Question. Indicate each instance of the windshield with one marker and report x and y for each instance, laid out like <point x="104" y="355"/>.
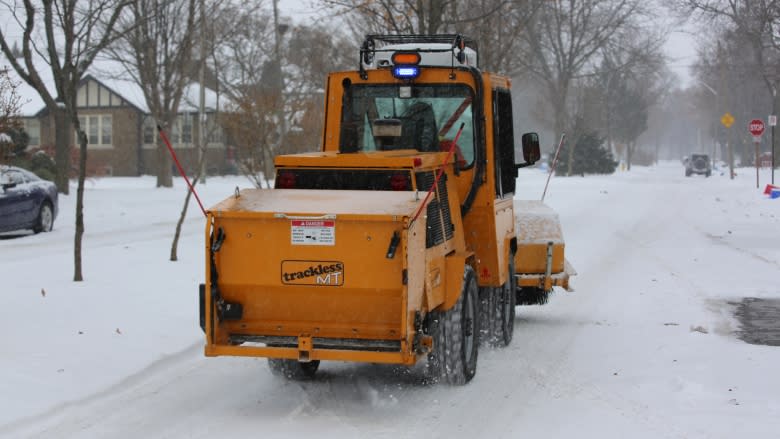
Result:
<point x="426" y="118"/>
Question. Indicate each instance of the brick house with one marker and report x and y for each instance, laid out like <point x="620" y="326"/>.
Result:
<point x="121" y="133"/>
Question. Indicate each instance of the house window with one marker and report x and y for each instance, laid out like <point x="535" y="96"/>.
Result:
<point x="179" y="133"/>
<point x="92" y="130"/>
<point x="98" y="129"/>
<point x="213" y="130"/>
<point x="186" y="128"/>
<point x="105" y="130"/>
<point x="33" y="129"/>
<point x="149" y="134"/>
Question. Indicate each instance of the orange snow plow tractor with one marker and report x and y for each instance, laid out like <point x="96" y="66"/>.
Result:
<point x="399" y="241"/>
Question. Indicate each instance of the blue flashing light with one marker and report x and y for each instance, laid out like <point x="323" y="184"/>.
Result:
<point x="406" y="72"/>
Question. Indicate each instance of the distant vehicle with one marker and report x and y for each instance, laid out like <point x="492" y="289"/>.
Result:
<point x="698" y="164"/>
<point x="26" y="201"/>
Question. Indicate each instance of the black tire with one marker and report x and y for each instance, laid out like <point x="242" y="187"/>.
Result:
<point x="497" y="311"/>
<point x="455" y="333"/>
<point x="506" y="307"/>
<point x="293" y="369"/>
<point x="45" y="220"/>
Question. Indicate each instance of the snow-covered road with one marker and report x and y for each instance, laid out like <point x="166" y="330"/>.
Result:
<point x="644" y="347"/>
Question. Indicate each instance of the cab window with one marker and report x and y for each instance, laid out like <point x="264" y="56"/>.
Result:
<point x="421" y="117"/>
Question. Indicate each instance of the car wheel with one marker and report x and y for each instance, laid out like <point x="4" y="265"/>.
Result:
<point x="45" y="220"/>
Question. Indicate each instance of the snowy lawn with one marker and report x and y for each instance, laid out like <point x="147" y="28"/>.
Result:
<point x="65" y="339"/>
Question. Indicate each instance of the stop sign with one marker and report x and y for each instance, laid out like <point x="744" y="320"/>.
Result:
<point x="756" y="127"/>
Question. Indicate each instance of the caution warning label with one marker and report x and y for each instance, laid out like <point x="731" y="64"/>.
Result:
<point x="313" y="232"/>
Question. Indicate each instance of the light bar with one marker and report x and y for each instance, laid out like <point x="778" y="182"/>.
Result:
<point x="406" y="58"/>
<point x="406" y="72"/>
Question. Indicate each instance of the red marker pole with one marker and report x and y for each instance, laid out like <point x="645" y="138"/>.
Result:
<point x="178" y="166"/>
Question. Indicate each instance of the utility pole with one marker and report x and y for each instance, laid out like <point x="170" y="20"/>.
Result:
<point x="202" y="106"/>
<point x="773" y="122"/>
<point x="724" y="100"/>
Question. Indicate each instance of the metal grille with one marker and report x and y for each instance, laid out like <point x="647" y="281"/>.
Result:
<point x="444" y="196"/>
<point x="424" y="180"/>
<point x="439" y="225"/>
<point x="434" y="235"/>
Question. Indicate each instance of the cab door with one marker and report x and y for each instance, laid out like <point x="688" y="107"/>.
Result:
<point x="504" y="147"/>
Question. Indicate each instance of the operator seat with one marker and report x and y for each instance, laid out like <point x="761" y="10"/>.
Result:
<point x="418" y="129"/>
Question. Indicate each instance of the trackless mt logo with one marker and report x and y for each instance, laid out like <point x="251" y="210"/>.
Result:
<point x="323" y="273"/>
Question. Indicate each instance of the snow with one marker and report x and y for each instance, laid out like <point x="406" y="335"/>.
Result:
<point x="644" y="347"/>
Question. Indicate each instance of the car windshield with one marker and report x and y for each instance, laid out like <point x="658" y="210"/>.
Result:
<point x="422" y="117"/>
<point x="16" y="175"/>
<point x="12" y="176"/>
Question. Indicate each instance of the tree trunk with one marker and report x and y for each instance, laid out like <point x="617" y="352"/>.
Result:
<point x="164" y="173"/>
<point x="77" y="276"/>
<point x="175" y="243"/>
<point x="62" y="142"/>
<point x="182" y="216"/>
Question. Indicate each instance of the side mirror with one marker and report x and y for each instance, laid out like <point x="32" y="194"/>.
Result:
<point x="8" y="185"/>
<point x="531" y="152"/>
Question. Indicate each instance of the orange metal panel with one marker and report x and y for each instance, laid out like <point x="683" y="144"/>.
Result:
<point x="396" y="159"/>
<point x="372" y="205"/>
<point x="536" y="225"/>
<point x="314" y="354"/>
<point x="532" y="258"/>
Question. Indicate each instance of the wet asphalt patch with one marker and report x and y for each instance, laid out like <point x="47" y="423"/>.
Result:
<point x="759" y="320"/>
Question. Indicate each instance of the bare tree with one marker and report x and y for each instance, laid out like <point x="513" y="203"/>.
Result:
<point x="499" y="32"/>
<point x="249" y="72"/>
<point x="422" y="16"/>
<point x="631" y="78"/>
<point x="753" y="25"/>
<point x="157" y="52"/>
<point x="207" y="36"/>
<point x="273" y="77"/>
<point x="565" y="42"/>
<point x="73" y="34"/>
<point x="395" y="16"/>
<point x="71" y="37"/>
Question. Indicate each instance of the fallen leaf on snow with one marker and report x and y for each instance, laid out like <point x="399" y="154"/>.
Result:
<point x="701" y="329"/>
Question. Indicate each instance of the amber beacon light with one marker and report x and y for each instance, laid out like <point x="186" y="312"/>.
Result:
<point x="406" y="65"/>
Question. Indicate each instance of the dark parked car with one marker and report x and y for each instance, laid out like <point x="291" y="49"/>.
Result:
<point x="26" y="201"/>
<point x="698" y="164"/>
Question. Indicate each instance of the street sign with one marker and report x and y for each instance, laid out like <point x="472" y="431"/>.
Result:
<point x="727" y="120"/>
<point x="756" y="127"/>
<point x="772" y="120"/>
